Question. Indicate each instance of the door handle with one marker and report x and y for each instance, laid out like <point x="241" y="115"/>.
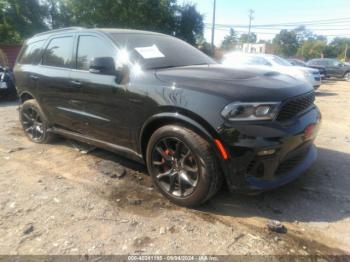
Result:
<point x="76" y="83"/>
<point x="34" y="77"/>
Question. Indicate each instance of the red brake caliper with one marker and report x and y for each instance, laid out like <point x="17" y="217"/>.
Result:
<point x="168" y="152"/>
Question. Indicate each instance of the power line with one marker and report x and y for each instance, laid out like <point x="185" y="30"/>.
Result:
<point x="308" y="28"/>
<point x="315" y="22"/>
<point x="272" y="33"/>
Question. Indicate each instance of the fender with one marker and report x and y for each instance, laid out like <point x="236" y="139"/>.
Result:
<point x="175" y="116"/>
<point x="172" y="117"/>
<point x="23" y="93"/>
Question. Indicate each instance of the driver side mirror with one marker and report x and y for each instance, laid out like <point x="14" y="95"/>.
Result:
<point x="103" y="66"/>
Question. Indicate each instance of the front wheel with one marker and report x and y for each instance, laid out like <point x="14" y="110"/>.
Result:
<point x="183" y="166"/>
<point x="34" y="122"/>
<point x="347" y="76"/>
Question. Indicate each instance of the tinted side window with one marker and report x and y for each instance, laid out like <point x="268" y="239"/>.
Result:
<point x="32" y="53"/>
<point x="90" y="47"/>
<point x="59" y="52"/>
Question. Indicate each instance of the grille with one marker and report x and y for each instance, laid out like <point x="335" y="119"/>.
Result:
<point x="295" y="106"/>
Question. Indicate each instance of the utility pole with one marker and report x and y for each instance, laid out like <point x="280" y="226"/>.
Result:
<point x="251" y="12"/>
<point x="346" y="52"/>
<point x="213" y="27"/>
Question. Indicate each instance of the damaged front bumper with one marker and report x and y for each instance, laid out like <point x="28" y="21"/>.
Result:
<point x="267" y="155"/>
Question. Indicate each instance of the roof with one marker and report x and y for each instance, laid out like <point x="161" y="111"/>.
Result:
<point x="124" y="31"/>
<point x="103" y="30"/>
<point x="67" y="29"/>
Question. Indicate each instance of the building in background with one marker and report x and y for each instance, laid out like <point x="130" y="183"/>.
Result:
<point x="9" y="54"/>
<point x="264" y="48"/>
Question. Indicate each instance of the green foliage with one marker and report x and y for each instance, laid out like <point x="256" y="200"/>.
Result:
<point x="230" y="41"/>
<point x="248" y="39"/>
<point x="338" y="46"/>
<point x="189" y="24"/>
<point x="156" y="15"/>
<point x="312" y="49"/>
<point x="20" y="19"/>
<point x="304" y="34"/>
<point x="286" y="43"/>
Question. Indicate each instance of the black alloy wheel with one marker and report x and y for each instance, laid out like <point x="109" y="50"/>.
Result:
<point x="183" y="165"/>
<point x="177" y="171"/>
<point x="34" y="122"/>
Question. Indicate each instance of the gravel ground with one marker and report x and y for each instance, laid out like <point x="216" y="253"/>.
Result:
<point x="63" y="199"/>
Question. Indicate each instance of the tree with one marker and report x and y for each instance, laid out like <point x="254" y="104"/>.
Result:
<point x="286" y="43"/>
<point x="22" y="18"/>
<point x="312" y="49"/>
<point x="304" y="34"/>
<point x="189" y="24"/>
<point x="230" y="40"/>
<point x="246" y="39"/>
<point x="337" y="47"/>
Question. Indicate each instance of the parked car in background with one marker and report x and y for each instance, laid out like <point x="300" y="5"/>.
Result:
<point x="298" y="62"/>
<point x="333" y="67"/>
<point x="7" y="86"/>
<point x="160" y="101"/>
<point x="276" y="63"/>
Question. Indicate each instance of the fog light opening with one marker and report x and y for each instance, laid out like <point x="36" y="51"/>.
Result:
<point x="267" y="152"/>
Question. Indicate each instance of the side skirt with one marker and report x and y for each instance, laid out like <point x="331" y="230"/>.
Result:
<point x="123" y="151"/>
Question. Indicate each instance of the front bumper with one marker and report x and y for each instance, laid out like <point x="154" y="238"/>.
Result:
<point x="290" y="147"/>
<point x="315" y="80"/>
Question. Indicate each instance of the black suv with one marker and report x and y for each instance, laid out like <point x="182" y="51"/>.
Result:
<point x="333" y="67"/>
<point x="160" y="101"/>
<point x="298" y="62"/>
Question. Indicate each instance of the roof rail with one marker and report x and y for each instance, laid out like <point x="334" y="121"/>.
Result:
<point x="60" y="30"/>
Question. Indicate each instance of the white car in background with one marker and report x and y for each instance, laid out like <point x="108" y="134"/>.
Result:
<point x="278" y="64"/>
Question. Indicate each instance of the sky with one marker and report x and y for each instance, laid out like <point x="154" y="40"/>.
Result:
<point x="267" y="12"/>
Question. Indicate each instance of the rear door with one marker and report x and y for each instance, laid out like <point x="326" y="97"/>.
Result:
<point x="332" y="67"/>
<point x="25" y="68"/>
<point x="105" y="107"/>
<point x="59" y="98"/>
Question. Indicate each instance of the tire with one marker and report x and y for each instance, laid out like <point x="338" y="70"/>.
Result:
<point x="34" y="122"/>
<point x="347" y="76"/>
<point x="198" y="176"/>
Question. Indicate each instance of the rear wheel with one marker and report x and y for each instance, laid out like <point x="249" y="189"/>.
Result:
<point x="34" y="122"/>
<point x="183" y="165"/>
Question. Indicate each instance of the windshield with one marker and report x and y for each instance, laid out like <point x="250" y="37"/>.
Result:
<point x="280" y="61"/>
<point x="158" y="51"/>
<point x="244" y="59"/>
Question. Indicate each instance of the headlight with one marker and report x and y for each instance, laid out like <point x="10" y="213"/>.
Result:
<point x="250" y="111"/>
<point x="307" y="74"/>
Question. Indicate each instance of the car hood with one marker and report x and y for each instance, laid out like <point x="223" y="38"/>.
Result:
<point x="243" y="84"/>
<point x="306" y="69"/>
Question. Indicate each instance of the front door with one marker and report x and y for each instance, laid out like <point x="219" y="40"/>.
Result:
<point x="103" y="97"/>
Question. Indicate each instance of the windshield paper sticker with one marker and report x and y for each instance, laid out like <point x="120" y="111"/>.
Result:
<point x="150" y="52"/>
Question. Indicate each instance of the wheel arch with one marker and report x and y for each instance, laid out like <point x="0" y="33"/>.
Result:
<point x="161" y="119"/>
<point x="24" y="96"/>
